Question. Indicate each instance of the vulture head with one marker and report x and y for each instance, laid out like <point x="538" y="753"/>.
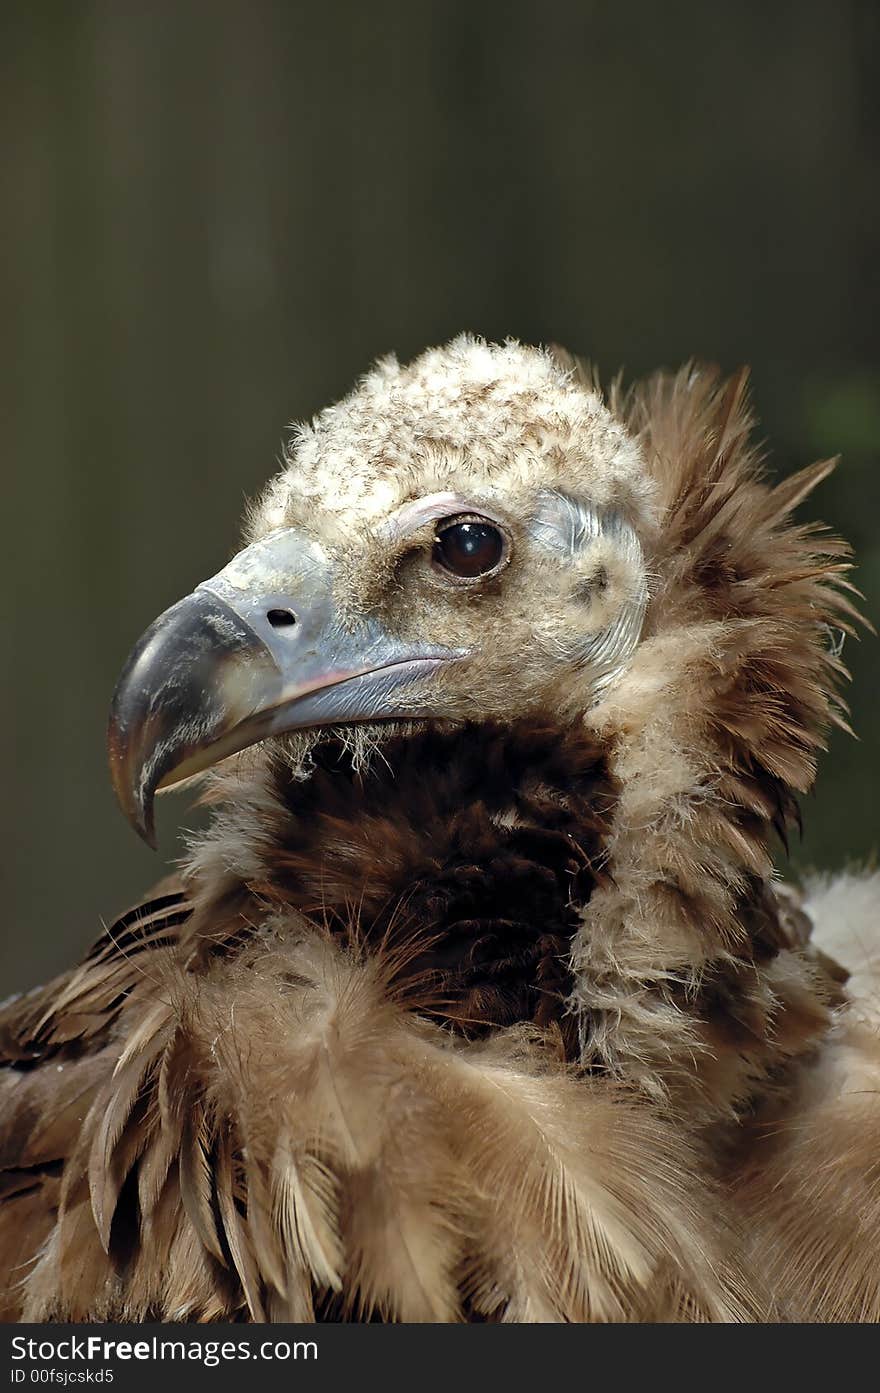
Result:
<point x="529" y="678"/>
<point x="461" y="540"/>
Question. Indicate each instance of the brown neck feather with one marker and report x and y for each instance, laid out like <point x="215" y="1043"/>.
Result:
<point x="463" y="857"/>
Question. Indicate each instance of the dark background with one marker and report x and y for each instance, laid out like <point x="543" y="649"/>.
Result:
<point x="218" y="213"/>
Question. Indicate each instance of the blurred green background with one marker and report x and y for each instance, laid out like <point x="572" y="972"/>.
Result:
<point x="218" y="213"/>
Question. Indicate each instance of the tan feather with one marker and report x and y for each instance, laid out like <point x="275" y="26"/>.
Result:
<point x="196" y="1179"/>
<point x="229" y="1195"/>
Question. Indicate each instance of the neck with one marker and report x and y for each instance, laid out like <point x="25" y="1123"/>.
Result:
<point x="463" y="856"/>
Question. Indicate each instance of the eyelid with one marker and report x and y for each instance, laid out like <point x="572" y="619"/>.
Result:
<point x="437" y="507"/>
<point x="455" y="520"/>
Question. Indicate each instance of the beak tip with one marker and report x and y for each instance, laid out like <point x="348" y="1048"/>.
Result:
<point x="145" y="829"/>
<point x="139" y="815"/>
<point x="136" y="804"/>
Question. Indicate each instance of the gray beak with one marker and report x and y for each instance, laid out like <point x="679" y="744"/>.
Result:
<point x="257" y="650"/>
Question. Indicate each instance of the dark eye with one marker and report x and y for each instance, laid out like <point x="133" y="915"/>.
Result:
<point x="469" y="549"/>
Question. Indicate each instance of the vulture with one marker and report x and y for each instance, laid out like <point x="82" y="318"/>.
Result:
<point x="479" y="999"/>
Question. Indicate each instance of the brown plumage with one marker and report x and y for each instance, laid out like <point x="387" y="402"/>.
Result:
<point x="492" y="1012"/>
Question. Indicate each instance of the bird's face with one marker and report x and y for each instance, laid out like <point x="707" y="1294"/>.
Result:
<point x="459" y="540"/>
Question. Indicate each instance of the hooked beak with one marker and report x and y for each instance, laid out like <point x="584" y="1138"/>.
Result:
<point x="257" y="650"/>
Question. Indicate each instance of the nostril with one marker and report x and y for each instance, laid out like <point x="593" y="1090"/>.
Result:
<point x="281" y="618"/>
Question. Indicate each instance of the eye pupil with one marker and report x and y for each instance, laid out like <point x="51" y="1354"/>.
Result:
<point x="469" y="549"/>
